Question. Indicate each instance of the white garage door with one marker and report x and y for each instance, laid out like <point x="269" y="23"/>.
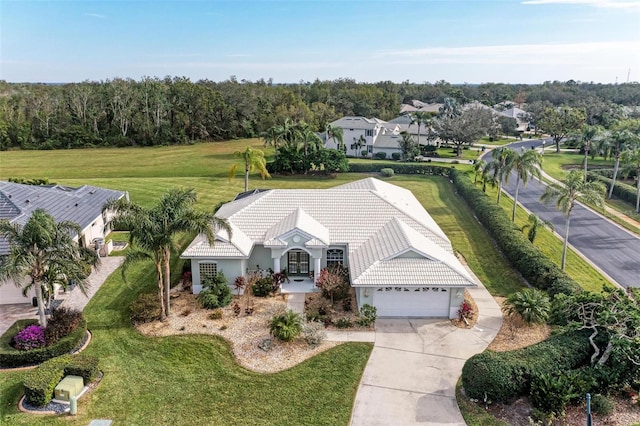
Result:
<point x="412" y="302"/>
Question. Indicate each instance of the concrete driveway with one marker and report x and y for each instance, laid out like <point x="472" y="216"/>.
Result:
<point x="411" y="376"/>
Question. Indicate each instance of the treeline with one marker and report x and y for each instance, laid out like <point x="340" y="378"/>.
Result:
<point x="154" y="111"/>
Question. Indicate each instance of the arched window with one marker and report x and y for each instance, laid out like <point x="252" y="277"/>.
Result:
<point x="335" y="257"/>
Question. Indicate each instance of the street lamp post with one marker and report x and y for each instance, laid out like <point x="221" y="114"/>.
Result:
<point x="543" y="142"/>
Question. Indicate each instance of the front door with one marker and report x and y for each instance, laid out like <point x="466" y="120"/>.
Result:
<point x="298" y="262"/>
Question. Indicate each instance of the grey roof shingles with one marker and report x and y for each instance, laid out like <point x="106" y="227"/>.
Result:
<point x="80" y="205"/>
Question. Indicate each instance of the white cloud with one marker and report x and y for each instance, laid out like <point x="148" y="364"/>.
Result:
<point x="237" y="55"/>
<point x="609" y="4"/>
<point x="96" y="15"/>
<point x="560" y="53"/>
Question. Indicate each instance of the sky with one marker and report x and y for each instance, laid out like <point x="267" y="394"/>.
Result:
<point x="478" y="41"/>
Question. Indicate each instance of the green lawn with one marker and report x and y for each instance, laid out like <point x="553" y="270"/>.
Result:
<point x="194" y="379"/>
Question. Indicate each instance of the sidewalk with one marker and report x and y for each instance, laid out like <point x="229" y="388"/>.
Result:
<point x="75" y="299"/>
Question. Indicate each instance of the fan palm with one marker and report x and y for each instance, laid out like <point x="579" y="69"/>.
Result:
<point x="566" y="195"/>
<point x="531" y="305"/>
<point x="46" y="253"/>
<point x="525" y="164"/>
<point x="152" y="231"/>
<point x="253" y="159"/>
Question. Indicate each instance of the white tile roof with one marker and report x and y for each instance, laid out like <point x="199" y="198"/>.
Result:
<point x="377" y="221"/>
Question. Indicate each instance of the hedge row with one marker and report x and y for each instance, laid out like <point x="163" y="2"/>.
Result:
<point x="11" y="357"/>
<point x="534" y="266"/>
<point x="39" y="384"/>
<point x="401" y="168"/>
<point x="503" y="376"/>
<point x="621" y="190"/>
<point x="609" y="173"/>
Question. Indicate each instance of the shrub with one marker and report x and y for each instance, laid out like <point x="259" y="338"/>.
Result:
<point x="83" y="365"/>
<point x="346" y="304"/>
<point x="368" y="315"/>
<point x="286" y="326"/>
<point x="380" y="155"/>
<point x="402" y="168"/>
<point x="601" y="405"/>
<point x="394" y="155"/>
<point x="40" y="383"/>
<point x="216" y="293"/>
<point x="216" y="314"/>
<point x="530" y="304"/>
<point x="145" y="308"/>
<point x="30" y="337"/>
<point x="334" y="283"/>
<point x="263" y="287"/>
<point x="10" y="357"/>
<point x="314" y="333"/>
<point x="386" y="172"/>
<point x="62" y="322"/>
<point x="503" y="376"/>
<point x="344" y="323"/>
<point x="551" y="393"/>
<point x="364" y="153"/>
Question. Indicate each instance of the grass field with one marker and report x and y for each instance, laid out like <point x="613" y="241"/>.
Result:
<point x="194" y="379"/>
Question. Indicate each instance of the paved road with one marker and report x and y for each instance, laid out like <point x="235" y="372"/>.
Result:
<point x="608" y="246"/>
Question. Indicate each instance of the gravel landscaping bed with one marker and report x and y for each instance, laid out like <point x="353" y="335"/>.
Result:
<point x="244" y="332"/>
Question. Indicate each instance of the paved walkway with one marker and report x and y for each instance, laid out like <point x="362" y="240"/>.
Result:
<point x="9" y="314"/>
<point x="411" y="376"/>
<point x="295" y="302"/>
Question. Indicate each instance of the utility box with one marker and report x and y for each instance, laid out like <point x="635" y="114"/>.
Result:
<point x="68" y="387"/>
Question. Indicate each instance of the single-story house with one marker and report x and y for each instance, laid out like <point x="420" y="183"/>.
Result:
<point x="398" y="258"/>
<point x="81" y="205"/>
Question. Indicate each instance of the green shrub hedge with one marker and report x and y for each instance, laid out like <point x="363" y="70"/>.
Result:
<point x="503" y="376"/>
<point x="10" y="357"/>
<point x="534" y="266"/>
<point x="83" y="365"/>
<point x="40" y="383"/>
<point x="401" y="168"/>
<point x="621" y="190"/>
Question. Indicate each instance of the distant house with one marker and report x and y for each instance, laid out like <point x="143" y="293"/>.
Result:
<point x="361" y="133"/>
<point x="519" y="115"/>
<point x="398" y="258"/>
<point x="81" y="205"/>
<point x="417" y="105"/>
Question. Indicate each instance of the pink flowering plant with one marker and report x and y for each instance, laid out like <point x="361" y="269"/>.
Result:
<point x="465" y="310"/>
<point x="31" y="337"/>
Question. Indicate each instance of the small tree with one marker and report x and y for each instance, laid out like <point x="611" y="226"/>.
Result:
<point x="332" y="283"/>
<point x="534" y="223"/>
<point x="408" y="147"/>
<point x="253" y="159"/>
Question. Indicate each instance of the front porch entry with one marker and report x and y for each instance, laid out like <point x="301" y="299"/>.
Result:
<point x="298" y="284"/>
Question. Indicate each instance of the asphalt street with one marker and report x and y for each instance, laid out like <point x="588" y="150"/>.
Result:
<point x="613" y="249"/>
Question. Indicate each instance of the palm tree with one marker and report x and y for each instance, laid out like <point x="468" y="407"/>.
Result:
<point x="631" y="159"/>
<point x="588" y="135"/>
<point x="337" y="134"/>
<point x="525" y="164"/>
<point x="619" y="141"/>
<point x="359" y="143"/>
<point x="530" y="304"/>
<point x="478" y="167"/>
<point x="273" y="135"/>
<point x="500" y="166"/>
<point x="253" y="159"/>
<point x="534" y="223"/>
<point x="46" y="253"/>
<point x="489" y="175"/>
<point x="566" y="195"/>
<point x="420" y="118"/>
<point x="152" y="231"/>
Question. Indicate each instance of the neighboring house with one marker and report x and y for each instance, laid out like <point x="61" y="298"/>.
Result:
<point x="520" y="116"/>
<point x="81" y="205"/>
<point x="417" y="105"/>
<point x="399" y="260"/>
<point x="361" y="133"/>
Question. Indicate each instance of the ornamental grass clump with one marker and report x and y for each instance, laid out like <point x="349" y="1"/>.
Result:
<point x="31" y="337"/>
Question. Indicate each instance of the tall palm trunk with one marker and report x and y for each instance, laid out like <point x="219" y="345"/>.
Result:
<point x="40" y="298"/>
<point x="160" y="284"/>
<point x="615" y="173"/>
<point x="499" y="190"/>
<point x="515" y="199"/>
<point x="166" y="263"/>
<point x="246" y="176"/>
<point x="566" y="240"/>
<point x="587" y="148"/>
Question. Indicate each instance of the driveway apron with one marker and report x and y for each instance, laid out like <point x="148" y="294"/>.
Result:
<point x="411" y="376"/>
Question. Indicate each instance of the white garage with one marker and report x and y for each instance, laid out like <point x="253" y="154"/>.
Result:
<point x="412" y="301"/>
